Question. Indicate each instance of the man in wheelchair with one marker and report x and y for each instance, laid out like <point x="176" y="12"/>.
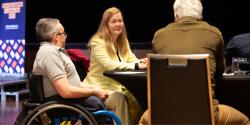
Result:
<point x="60" y="79"/>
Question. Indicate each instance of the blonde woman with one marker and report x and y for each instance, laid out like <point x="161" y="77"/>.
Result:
<point x="110" y="50"/>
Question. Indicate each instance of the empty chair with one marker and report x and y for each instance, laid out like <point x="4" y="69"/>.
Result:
<point x="179" y="89"/>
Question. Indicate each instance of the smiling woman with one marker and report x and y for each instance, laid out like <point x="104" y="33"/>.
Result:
<point x="116" y="24"/>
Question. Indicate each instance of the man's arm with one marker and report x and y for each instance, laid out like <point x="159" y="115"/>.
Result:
<point x="68" y="91"/>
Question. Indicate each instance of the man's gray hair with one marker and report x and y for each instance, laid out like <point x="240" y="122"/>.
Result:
<point x="192" y="8"/>
<point x="46" y="28"/>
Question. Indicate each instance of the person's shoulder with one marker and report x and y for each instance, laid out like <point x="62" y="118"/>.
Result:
<point x="240" y="38"/>
<point x="243" y="35"/>
<point x="210" y="27"/>
<point x="97" y="40"/>
<point x="164" y="29"/>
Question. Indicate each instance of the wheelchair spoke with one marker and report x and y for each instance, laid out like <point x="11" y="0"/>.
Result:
<point x="57" y="113"/>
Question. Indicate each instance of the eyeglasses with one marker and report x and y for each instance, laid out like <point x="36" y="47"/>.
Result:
<point x="63" y="33"/>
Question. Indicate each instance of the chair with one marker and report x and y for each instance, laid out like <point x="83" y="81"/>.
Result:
<point x="179" y="89"/>
<point x="56" y="112"/>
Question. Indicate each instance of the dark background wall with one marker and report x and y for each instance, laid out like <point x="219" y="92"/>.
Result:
<point x="142" y="18"/>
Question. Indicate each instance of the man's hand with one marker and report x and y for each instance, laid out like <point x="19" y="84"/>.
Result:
<point x="99" y="93"/>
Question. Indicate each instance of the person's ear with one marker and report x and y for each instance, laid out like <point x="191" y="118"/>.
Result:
<point x="55" y="38"/>
<point x="176" y="17"/>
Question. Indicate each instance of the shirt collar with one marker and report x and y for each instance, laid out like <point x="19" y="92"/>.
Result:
<point x="187" y="19"/>
<point x="50" y="44"/>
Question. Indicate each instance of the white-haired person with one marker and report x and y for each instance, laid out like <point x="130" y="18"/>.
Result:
<point x="189" y="34"/>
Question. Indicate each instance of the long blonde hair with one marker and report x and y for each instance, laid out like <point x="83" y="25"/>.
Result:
<point x="104" y="33"/>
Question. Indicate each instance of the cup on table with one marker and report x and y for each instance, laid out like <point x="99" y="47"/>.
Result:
<point x="236" y="65"/>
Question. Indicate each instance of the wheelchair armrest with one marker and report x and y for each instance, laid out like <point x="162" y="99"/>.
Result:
<point x="30" y="104"/>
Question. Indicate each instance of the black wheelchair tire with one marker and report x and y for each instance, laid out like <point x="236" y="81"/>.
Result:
<point x="54" y="105"/>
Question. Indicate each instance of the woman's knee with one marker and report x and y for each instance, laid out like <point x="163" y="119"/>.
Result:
<point x="116" y="99"/>
<point x="118" y="96"/>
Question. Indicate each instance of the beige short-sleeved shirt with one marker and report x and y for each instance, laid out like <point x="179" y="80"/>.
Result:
<point x="53" y="63"/>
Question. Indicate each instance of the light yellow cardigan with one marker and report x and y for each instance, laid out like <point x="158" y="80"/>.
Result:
<point x="101" y="61"/>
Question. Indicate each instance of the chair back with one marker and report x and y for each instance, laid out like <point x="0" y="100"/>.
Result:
<point x="36" y="88"/>
<point x="179" y="89"/>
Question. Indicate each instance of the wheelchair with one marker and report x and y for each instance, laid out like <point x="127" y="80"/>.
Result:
<point x="60" y="112"/>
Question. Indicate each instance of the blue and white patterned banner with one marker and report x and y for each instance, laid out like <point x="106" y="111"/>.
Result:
<point x="12" y="36"/>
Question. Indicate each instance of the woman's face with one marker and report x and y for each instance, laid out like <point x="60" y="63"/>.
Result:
<point x="116" y="24"/>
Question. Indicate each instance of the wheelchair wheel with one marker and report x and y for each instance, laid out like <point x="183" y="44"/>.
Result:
<point x="59" y="113"/>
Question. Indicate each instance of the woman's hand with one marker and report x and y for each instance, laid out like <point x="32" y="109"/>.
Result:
<point x="143" y="60"/>
<point x="143" y="63"/>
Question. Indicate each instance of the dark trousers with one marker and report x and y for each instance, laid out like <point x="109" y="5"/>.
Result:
<point x="91" y="103"/>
